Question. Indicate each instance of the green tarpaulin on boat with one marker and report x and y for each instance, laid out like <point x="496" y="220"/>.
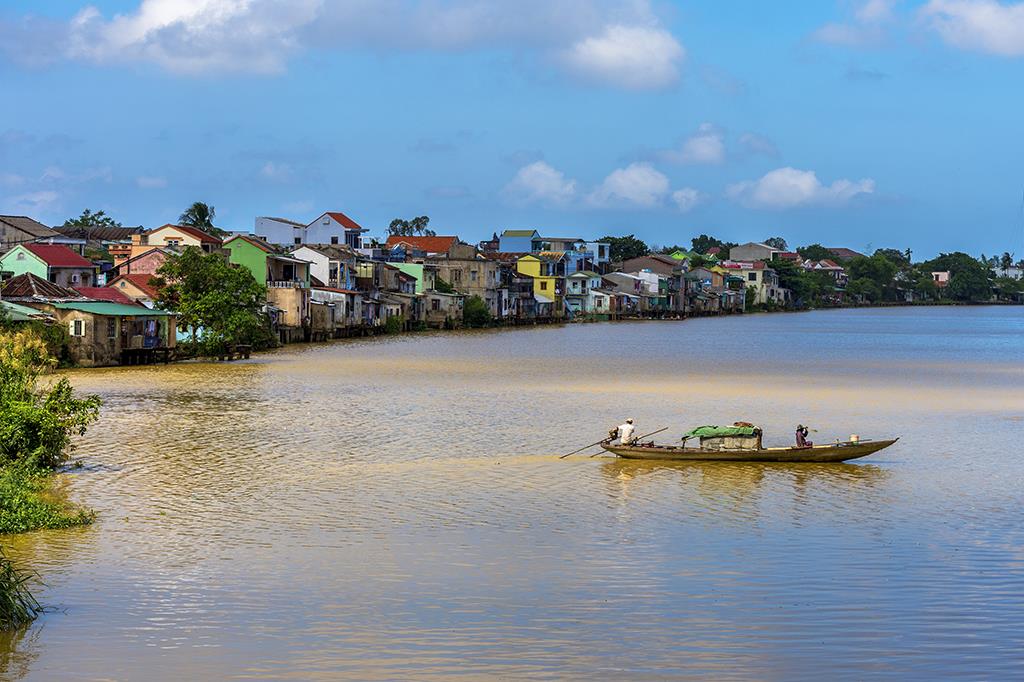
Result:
<point x="721" y="431"/>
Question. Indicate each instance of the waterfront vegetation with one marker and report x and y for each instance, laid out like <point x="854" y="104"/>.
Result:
<point x="37" y="424"/>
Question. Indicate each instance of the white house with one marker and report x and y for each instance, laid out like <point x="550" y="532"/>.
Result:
<point x="332" y="227"/>
<point x="752" y="251"/>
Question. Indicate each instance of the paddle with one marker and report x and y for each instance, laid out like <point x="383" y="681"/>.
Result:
<point x="638" y="438"/>
<point x="582" y="449"/>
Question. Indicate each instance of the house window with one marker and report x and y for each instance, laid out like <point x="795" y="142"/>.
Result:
<point x="298" y="240"/>
<point x="74" y="278"/>
<point x="334" y="239"/>
<point x="21" y="256"/>
<point x="111" y="327"/>
<point x="435" y="304"/>
<point x="77" y="328"/>
<point x="173" y="242"/>
<point x="752" y="276"/>
<point x="472" y="276"/>
<point x="543" y="286"/>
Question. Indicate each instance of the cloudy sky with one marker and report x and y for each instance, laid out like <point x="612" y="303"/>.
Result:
<point x="858" y="123"/>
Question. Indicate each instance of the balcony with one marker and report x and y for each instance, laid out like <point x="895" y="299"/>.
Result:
<point x="286" y="284"/>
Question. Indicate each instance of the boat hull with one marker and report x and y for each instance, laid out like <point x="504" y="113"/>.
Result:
<point x="841" y="452"/>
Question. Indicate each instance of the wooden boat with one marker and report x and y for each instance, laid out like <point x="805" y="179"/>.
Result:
<point x="833" y="452"/>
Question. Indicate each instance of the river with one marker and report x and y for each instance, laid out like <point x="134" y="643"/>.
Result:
<point x="395" y="508"/>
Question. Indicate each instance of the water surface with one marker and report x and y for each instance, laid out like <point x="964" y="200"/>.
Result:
<point x="394" y="508"/>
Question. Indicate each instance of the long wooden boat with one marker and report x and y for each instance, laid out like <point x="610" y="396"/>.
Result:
<point x="832" y="452"/>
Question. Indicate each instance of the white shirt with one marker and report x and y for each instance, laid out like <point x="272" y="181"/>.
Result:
<point x="626" y="432"/>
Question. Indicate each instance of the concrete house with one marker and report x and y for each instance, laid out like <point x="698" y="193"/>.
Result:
<point x="582" y="295"/>
<point x="518" y="241"/>
<point x="20" y="229"/>
<point x="286" y="278"/>
<point x="53" y="262"/>
<point x="136" y="286"/>
<point x="331" y="265"/>
<point x="332" y="227"/>
<point x="548" y="288"/>
<point x="146" y="263"/>
<point x="752" y="251"/>
<point x="177" y="237"/>
<point x="763" y="280"/>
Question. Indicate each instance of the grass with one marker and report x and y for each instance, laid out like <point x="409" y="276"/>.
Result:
<point x="17" y="605"/>
<point x="26" y="504"/>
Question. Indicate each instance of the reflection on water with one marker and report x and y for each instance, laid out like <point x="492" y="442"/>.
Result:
<point x="396" y="508"/>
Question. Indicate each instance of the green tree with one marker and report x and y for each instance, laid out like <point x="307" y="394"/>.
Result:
<point x="624" y="248"/>
<point x="815" y="252"/>
<point x="475" y="313"/>
<point x="703" y="243"/>
<point x="925" y="287"/>
<point x="89" y="219"/>
<point x="1006" y="260"/>
<point x="901" y="259"/>
<point x="222" y="305"/>
<point x="411" y="228"/>
<point x="864" y="289"/>
<point x="970" y="286"/>
<point x="201" y="216"/>
<point x="879" y="270"/>
<point x="777" y="243"/>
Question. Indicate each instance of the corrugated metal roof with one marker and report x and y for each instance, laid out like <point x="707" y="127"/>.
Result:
<point x="22" y="313"/>
<point x="518" y="233"/>
<point x="58" y="256"/>
<point x="114" y="309"/>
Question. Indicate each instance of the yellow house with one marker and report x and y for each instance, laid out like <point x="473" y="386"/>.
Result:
<point x="547" y="288"/>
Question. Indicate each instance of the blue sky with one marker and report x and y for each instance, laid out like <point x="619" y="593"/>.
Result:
<point x="858" y="123"/>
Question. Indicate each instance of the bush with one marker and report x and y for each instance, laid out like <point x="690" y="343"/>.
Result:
<point x="36" y="425"/>
<point x="476" y="313"/>
<point x="394" y="324"/>
<point x="24" y="503"/>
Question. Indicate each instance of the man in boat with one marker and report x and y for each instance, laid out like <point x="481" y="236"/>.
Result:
<point x="626" y="432"/>
<point x="801" y="437"/>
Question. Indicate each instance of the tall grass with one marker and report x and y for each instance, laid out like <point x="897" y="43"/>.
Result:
<point x="17" y="605"/>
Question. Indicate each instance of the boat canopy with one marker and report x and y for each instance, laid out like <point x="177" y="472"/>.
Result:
<point x="721" y="431"/>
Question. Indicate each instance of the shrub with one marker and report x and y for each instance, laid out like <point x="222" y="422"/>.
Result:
<point x="476" y="313"/>
<point x="394" y="324"/>
<point x="24" y="503"/>
<point x="17" y="605"/>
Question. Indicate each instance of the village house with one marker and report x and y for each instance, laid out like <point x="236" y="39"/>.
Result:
<point x="19" y="229"/>
<point x="584" y="295"/>
<point x="286" y="278"/>
<point x="941" y="279"/>
<point x="752" y="251"/>
<point x="548" y="288"/>
<point x="762" y="280"/>
<point x="53" y="262"/>
<point x="331" y="265"/>
<point x="100" y="332"/>
<point x="459" y="264"/>
<point x="331" y="227"/>
<point x="174" y="236"/>
<point x="138" y="287"/>
<point x="99" y="237"/>
<point x="145" y="263"/>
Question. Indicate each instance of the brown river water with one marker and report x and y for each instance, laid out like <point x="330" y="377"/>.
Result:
<point x="394" y="508"/>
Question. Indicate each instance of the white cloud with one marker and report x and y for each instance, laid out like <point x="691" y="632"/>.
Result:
<point x="631" y="57"/>
<point x="638" y="184"/>
<point x="11" y="180"/>
<point x="539" y="182"/>
<point x="981" y="25"/>
<point x="33" y="202"/>
<point x="687" y="198"/>
<point x="611" y="41"/>
<point x="867" y="26"/>
<point x="789" y="188"/>
<point x="150" y="182"/>
<point x="706" y="146"/>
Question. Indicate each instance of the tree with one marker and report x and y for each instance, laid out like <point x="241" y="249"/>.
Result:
<point x="475" y="313"/>
<point x="776" y="243"/>
<point x="89" y="219"/>
<point x="815" y="252"/>
<point x="925" y="287"/>
<point x="1006" y="260"/>
<point x="864" y="289"/>
<point x="221" y="305"/>
<point x="411" y="228"/>
<point x="901" y="259"/>
<point x="704" y="243"/>
<point x="970" y="285"/>
<point x="878" y="270"/>
<point x="201" y="215"/>
<point x="624" y="248"/>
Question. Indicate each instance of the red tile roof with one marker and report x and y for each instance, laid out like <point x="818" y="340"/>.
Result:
<point x="58" y="256"/>
<point x="140" y="280"/>
<point x="104" y="294"/>
<point x="340" y="217"/>
<point x="843" y="252"/>
<point x="203" y="237"/>
<point x="426" y="244"/>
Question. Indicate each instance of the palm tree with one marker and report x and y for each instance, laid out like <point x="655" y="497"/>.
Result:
<point x="199" y="215"/>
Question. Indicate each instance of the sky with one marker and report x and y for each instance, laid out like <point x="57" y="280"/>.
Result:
<point x="866" y="124"/>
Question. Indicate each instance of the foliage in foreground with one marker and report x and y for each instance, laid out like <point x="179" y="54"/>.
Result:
<point x="36" y="424"/>
<point x="475" y="313"/>
<point x="24" y="503"/>
<point x="17" y="605"/>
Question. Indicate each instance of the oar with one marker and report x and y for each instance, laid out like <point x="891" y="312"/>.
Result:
<point x="582" y="449"/>
<point x="638" y="438"/>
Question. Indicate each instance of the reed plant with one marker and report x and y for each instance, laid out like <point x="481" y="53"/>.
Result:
<point x="17" y="605"/>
